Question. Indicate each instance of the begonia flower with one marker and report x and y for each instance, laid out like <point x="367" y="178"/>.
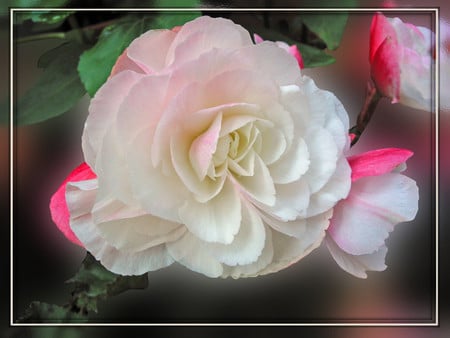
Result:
<point x="207" y="150"/>
<point x="401" y="56"/>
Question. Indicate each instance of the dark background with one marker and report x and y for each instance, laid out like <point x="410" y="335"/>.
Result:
<point x="314" y="290"/>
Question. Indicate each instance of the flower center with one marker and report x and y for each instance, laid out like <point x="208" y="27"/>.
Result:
<point x="236" y="151"/>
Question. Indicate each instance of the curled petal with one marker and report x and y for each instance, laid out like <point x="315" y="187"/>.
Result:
<point x="58" y="205"/>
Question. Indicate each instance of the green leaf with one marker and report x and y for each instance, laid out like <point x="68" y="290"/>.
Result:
<point x="48" y="17"/>
<point x="6" y="4"/>
<point x="94" y="283"/>
<point x="50" y="313"/>
<point x="57" y="90"/>
<point x="327" y="26"/>
<point x="313" y="57"/>
<point x="96" y="63"/>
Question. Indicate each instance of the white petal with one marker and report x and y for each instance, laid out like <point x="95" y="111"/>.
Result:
<point x="238" y="117"/>
<point x="362" y="222"/>
<point x="159" y="195"/>
<point x="216" y="221"/>
<point x="103" y="110"/>
<point x="253" y="269"/>
<point x="294" y="228"/>
<point x="139" y="233"/>
<point x="150" y="50"/>
<point x="323" y="105"/>
<point x="334" y="190"/>
<point x="204" y="34"/>
<point x="108" y="208"/>
<point x="357" y="265"/>
<point x="275" y="62"/>
<point x="80" y="200"/>
<point x="273" y="145"/>
<point x="260" y="186"/>
<point x="190" y="251"/>
<point x="292" y="165"/>
<point x="323" y="157"/>
<point x="292" y="200"/>
<point x="295" y="101"/>
<point x="288" y="250"/>
<point x="248" y="243"/>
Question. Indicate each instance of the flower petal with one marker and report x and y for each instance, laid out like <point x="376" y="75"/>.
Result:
<point x="191" y="252"/>
<point x="139" y="233"/>
<point x="143" y="52"/>
<point x="377" y="162"/>
<point x="253" y="269"/>
<point x="335" y="189"/>
<point x="260" y="186"/>
<point x="80" y="200"/>
<point x="248" y="243"/>
<point x="357" y="265"/>
<point x="204" y="34"/>
<point x="362" y="222"/>
<point x="217" y="221"/>
<point x="203" y="148"/>
<point x="58" y="205"/>
<point x="288" y="250"/>
<point x="103" y="110"/>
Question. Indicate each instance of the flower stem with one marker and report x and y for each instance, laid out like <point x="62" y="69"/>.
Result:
<point x="373" y="96"/>
<point x="35" y="37"/>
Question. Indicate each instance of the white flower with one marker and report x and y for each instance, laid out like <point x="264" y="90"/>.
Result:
<point x="210" y="151"/>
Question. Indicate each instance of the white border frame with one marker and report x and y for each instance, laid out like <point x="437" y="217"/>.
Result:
<point x="433" y="10"/>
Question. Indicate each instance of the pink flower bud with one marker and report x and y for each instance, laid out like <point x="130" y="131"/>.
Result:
<point x="401" y="59"/>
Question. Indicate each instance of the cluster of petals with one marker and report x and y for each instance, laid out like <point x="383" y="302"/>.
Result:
<point x="206" y="149"/>
<point x="380" y="197"/>
<point x="402" y="56"/>
<point x="209" y="150"/>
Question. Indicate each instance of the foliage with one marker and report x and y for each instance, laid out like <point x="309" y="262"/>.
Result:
<point x="57" y="90"/>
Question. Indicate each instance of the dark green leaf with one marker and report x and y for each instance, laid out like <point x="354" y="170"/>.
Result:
<point x="49" y="17"/>
<point x="313" y="57"/>
<point x="327" y="26"/>
<point x="39" y="312"/>
<point x="6" y="4"/>
<point x="94" y="283"/>
<point x="57" y="90"/>
<point x="96" y="63"/>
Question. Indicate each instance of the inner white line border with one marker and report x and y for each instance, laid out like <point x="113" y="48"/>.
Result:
<point x="432" y="10"/>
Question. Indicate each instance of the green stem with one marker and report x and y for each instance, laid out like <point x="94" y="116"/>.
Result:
<point x="373" y="96"/>
<point x="63" y="35"/>
<point x="43" y="36"/>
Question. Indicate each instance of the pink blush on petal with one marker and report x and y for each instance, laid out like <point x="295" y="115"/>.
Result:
<point x="386" y="68"/>
<point x="125" y="63"/>
<point x="58" y="205"/>
<point x="377" y="162"/>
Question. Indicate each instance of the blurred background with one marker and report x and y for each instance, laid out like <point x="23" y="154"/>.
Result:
<point x="315" y="290"/>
